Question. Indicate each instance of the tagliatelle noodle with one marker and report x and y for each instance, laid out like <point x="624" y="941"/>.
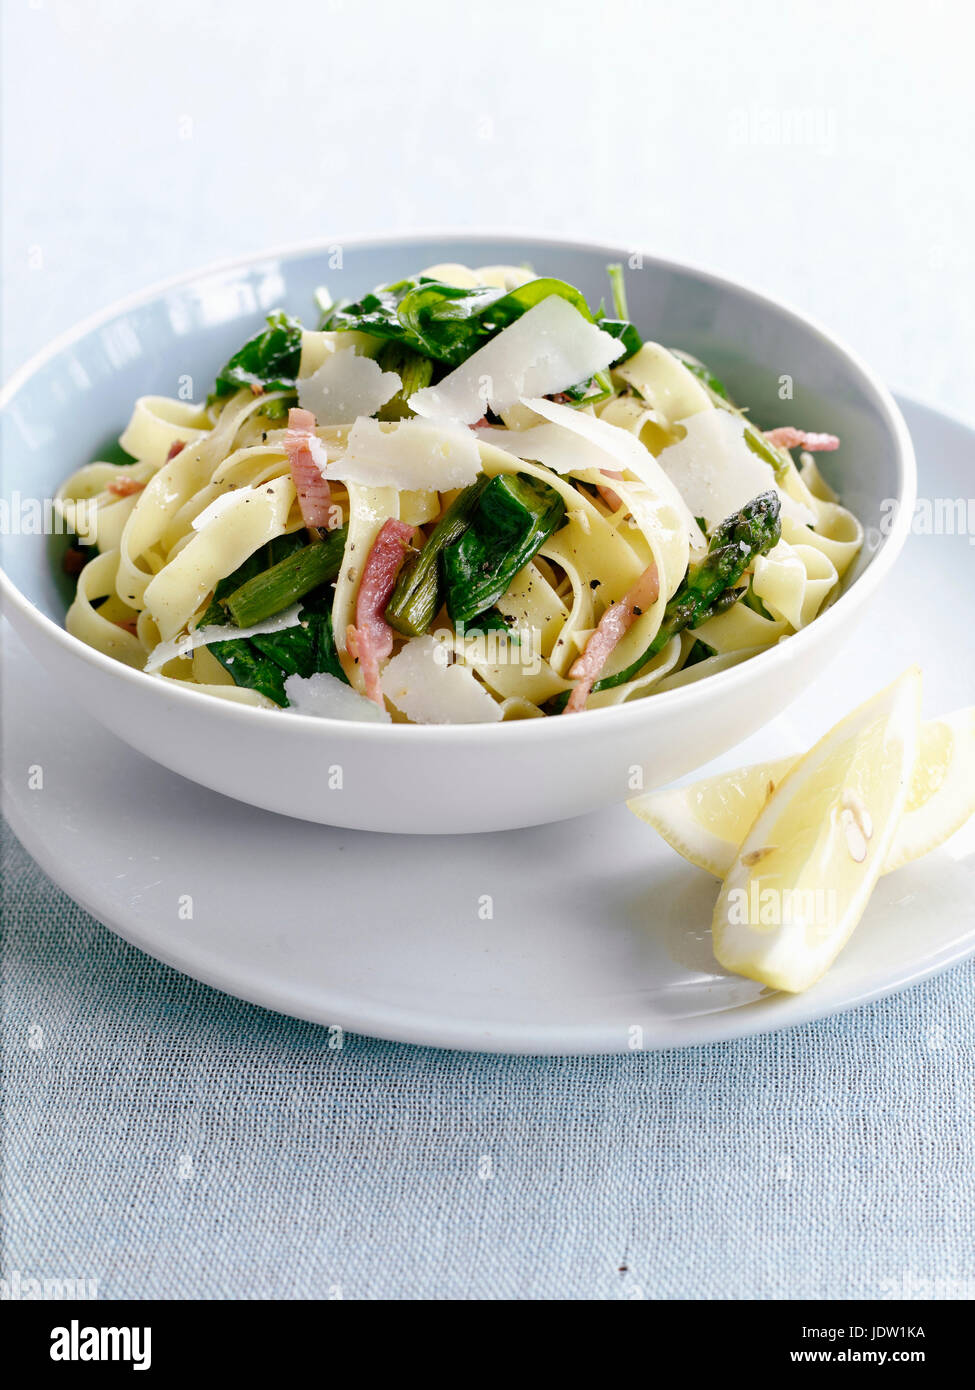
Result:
<point x="211" y="485"/>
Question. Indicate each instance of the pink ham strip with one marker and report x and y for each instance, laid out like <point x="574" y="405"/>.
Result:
<point x="614" y="623"/>
<point x="314" y="494"/>
<point x="785" y="437"/>
<point x="370" y="639"/>
<point x="124" y="487"/>
<point x="612" y="499"/>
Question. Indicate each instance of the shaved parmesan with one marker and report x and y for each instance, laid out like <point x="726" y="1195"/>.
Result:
<point x="559" y="449"/>
<point x="715" y="470"/>
<point x="615" y="448"/>
<point x="420" y="683"/>
<point x="548" y="349"/>
<point x="215" y="632"/>
<point x="346" y="386"/>
<point x="609" y="447"/>
<point x="412" y="455"/>
<point x="327" y="697"/>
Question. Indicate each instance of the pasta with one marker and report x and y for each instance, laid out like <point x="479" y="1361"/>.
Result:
<point x="465" y="498"/>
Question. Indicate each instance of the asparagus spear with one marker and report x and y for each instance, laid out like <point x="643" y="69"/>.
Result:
<point x="418" y="592"/>
<point x="291" y="579"/>
<point x="510" y="522"/>
<point x="778" y="458"/>
<point x="708" y="587"/>
<point x="414" y="372"/>
<point x="247" y="665"/>
<point x="618" y="287"/>
<point x="732" y="548"/>
<point x="262" y="662"/>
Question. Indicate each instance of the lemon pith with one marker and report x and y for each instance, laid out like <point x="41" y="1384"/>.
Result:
<point x="707" y="820"/>
<point x="933" y="760"/>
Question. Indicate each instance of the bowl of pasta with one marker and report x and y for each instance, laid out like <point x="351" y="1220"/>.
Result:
<point x="445" y="534"/>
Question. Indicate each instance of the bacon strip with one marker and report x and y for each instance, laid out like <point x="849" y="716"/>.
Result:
<point x="785" y="437"/>
<point x="124" y="486"/>
<point x="370" y="638"/>
<point x="74" y="560"/>
<point x="314" y="494"/>
<point x="177" y="447"/>
<point x="614" y="623"/>
<point x="612" y="499"/>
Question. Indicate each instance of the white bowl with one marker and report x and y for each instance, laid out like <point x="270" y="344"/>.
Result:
<point x="66" y="405"/>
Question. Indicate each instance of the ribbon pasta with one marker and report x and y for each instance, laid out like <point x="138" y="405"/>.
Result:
<point x="209" y="486"/>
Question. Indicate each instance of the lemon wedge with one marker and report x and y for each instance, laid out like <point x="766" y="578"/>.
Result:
<point x="942" y="792"/>
<point x="707" y="821"/>
<point x="807" y="867"/>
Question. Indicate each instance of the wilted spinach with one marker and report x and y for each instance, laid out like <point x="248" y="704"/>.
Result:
<point x="447" y="323"/>
<point x="269" y="360"/>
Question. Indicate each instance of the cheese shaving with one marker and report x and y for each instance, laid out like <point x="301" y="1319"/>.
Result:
<point x="421" y="684"/>
<point x="611" y="447"/>
<point x="715" y="471"/>
<point x="345" y="386"/>
<point x="326" y="697"/>
<point x="412" y="455"/>
<point x="550" y="348"/>
<point x="215" y="632"/>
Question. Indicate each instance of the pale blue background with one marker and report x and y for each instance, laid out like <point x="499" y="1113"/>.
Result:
<point x="165" y="1140"/>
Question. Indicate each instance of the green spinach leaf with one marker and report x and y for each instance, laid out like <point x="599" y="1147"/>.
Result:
<point x="269" y="360"/>
<point x="448" y="323"/>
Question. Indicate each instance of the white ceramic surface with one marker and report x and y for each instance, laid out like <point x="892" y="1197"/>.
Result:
<point x="61" y="407"/>
<point x="597" y="938"/>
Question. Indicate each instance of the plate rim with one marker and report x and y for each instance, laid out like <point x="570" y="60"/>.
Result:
<point x="400" y="1025"/>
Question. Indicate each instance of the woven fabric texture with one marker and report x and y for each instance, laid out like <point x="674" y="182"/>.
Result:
<point x="165" y="1140"/>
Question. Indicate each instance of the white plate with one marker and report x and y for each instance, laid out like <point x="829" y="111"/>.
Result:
<point x="586" y="936"/>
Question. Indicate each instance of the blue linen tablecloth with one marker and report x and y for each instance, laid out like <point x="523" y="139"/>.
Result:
<point x="165" y="1140"/>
